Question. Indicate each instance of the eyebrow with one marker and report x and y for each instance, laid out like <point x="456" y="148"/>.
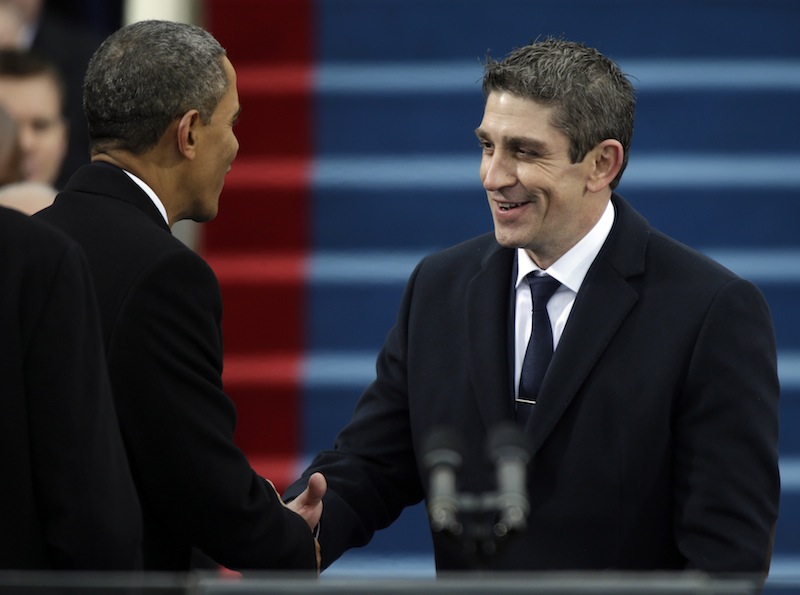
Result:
<point x="517" y="141"/>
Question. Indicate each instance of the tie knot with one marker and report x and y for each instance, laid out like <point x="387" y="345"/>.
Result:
<point x="542" y="289"/>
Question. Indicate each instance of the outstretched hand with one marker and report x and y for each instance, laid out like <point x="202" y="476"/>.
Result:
<point x="309" y="503"/>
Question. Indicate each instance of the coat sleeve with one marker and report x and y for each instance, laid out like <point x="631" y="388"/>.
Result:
<point x="165" y="357"/>
<point x="88" y="503"/>
<point x="726" y="437"/>
<point x="371" y="471"/>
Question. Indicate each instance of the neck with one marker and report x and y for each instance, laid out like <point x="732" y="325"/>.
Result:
<point x="146" y="168"/>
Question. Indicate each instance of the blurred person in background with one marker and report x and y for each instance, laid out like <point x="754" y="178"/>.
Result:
<point x="11" y="26"/>
<point x="68" y="44"/>
<point x="32" y="92"/>
<point x="27" y="197"/>
<point x="10" y="150"/>
<point x="15" y="191"/>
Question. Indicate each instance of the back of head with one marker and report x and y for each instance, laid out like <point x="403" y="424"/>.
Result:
<point x="592" y="99"/>
<point x="144" y="76"/>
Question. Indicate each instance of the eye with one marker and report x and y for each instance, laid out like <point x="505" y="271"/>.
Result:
<point x="41" y="125"/>
<point x="526" y="152"/>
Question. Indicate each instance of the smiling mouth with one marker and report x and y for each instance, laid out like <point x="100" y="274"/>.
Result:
<point x="510" y="205"/>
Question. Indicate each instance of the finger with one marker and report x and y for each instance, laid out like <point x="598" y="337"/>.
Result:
<point x="317" y="486"/>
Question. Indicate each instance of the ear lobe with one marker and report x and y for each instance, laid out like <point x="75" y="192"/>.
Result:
<point x="607" y="158"/>
<point x="187" y="133"/>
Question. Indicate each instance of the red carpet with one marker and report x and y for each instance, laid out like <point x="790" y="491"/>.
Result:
<point x="259" y="241"/>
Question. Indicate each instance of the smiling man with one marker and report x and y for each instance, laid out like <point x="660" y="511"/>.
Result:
<point x="161" y="102"/>
<point x="653" y="433"/>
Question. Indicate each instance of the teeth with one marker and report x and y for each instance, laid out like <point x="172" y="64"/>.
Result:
<point x="508" y="207"/>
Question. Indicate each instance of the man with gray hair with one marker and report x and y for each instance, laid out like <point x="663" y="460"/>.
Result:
<point x="645" y="383"/>
<point x="161" y="102"/>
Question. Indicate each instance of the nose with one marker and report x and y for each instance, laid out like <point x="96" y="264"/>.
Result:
<point x="27" y="137"/>
<point x="497" y="171"/>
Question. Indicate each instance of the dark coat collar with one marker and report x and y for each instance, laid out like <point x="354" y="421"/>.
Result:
<point x="109" y="180"/>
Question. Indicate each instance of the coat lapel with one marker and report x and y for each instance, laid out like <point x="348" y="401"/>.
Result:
<point x="487" y="299"/>
<point x="603" y="302"/>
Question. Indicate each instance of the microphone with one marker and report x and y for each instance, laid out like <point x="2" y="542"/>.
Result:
<point x="442" y="458"/>
<point x="509" y="449"/>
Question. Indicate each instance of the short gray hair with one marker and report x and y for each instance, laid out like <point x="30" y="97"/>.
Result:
<point x="144" y="76"/>
<point x="593" y="99"/>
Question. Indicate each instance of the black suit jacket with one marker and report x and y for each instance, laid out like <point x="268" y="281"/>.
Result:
<point x="161" y="309"/>
<point x="655" y="436"/>
<point x="68" y="500"/>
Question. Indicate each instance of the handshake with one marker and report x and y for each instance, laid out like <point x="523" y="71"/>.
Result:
<point x="309" y="505"/>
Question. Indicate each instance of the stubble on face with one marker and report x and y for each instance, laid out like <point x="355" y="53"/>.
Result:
<point x="220" y="148"/>
<point x="537" y="196"/>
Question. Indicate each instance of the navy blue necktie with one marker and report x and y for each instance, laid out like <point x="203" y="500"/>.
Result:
<point x="540" y="345"/>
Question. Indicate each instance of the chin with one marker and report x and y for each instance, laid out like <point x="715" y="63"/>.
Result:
<point x="509" y="240"/>
<point x="204" y="213"/>
<point x="204" y="217"/>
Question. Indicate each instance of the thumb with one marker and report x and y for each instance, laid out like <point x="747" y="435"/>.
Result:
<point x="317" y="486"/>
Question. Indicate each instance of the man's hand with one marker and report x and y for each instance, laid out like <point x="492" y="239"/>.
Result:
<point x="309" y="503"/>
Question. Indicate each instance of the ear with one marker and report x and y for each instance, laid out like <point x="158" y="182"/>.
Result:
<point x="607" y="161"/>
<point x="187" y="133"/>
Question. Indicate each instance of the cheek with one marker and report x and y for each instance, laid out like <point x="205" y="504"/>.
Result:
<point x="233" y="144"/>
<point x="482" y="170"/>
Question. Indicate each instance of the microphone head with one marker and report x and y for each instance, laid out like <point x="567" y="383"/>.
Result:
<point x="442" y="457"/>
<point x="509" y="449"/>
<point x="507" y="439"/>
<point x="443" y="446"/>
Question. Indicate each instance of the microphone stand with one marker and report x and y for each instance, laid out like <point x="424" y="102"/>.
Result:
<point x="479" y="522"/>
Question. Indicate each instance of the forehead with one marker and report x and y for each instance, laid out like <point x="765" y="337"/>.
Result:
<point x="510" y="109"/>
<point x="510" y="116"/>
<point x="33" y="93"/>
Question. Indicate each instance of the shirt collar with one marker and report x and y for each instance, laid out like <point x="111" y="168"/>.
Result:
<point x="150" y="193"/>
<point x="572" y="267"/>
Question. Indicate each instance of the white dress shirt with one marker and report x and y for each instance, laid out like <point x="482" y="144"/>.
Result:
<point x="570" y="271"/>
<point x="149" y="192"/>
